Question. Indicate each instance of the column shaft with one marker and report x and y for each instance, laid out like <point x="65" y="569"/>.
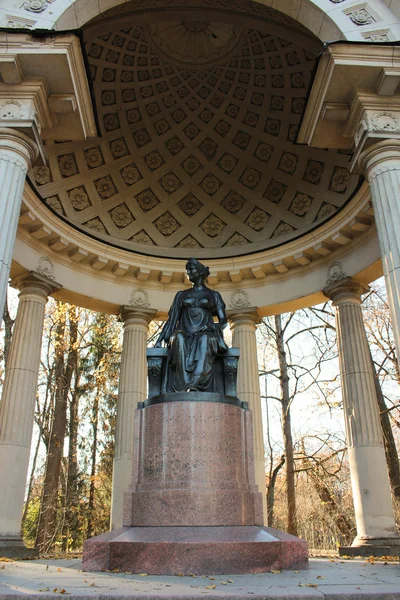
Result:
<point x="132" y="389"/>
<point x="18" y="400"/>
<point x="369" y="476"/>
<point x="16" y="154"/>
<point x="248" y="385"/>
<point x="381" y="163"/>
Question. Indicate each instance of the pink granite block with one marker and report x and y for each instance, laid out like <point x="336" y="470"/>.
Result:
<point x="205" y="478"/>
<point x="96" y="551"/>
<point x="199" y="507"/>
<point x="209" y="550"/>
<point x="193" y="506"/>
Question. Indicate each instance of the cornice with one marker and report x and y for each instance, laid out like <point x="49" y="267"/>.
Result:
<point x="352" y="226"/>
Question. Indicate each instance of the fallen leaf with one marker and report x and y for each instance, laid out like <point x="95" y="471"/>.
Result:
<point x="230" y="581"/>
<point x="212" y="578"/>
<point x="143" y="574"/>
<point x="92" y="584"/>
<point x="59" y="570"/>
<point x="224" y="583"/>
<point x="210" y="587"/>
<point x="44" y="590"/>
<point x="3" y="567"/>
<point x="320" y="577"/>
<point x="5" y="559"/>
<point x="275" y="572"/>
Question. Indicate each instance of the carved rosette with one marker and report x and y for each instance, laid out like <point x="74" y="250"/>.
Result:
<point x="140" y="298"/>
<point x="239" y="299"/>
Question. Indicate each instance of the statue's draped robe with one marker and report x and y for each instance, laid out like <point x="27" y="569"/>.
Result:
<point x="193" y="340"/>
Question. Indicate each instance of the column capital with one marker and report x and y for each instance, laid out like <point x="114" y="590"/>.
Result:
<point x="244" y="316"/>
<point x="345" y="289"/>
<point x="136" y="314"/>
<point x="22" y="149"/>
<point x="380" y="157"/>
<point x="35" y="283"/>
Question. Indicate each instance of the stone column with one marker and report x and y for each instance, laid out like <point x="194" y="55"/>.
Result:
<point x="369" y="476"/>
<point x="381" y="165"/>
<point x="132" y="389"/>
<point x="243" y="323"/>
<point x="18" y="405"/>
<point x="17" y="152"/>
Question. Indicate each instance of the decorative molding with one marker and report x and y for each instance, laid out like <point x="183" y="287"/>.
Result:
<point x="14" y="22"/>
<point x="378" y="36"/>
<point x="361" y="17"/>
<point x="36" y="6"/>
<point x="335" y="272"/>
<point x="12" y="110"/>
<point x="385" y="121"/>
<point x="139" y="297"/>
<point x="46" y="267"/>
<point x="239" y="299"/>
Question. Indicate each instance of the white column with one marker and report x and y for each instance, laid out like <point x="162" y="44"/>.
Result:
<point x="243" y="323"/>
<point x="368" y="469"/>
<point x="381" y="166"/>
<point x="18" y="401"/>
<point x="17" y="152"/>
<point x="132" y="389"/>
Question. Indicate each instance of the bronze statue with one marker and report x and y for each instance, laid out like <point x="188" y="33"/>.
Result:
<point x="191" y="335"/>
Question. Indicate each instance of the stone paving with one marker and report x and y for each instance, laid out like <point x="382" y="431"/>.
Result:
<point x="328" y="579"/>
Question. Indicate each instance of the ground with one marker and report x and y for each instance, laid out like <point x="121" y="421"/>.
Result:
<point x="327" y="579"/>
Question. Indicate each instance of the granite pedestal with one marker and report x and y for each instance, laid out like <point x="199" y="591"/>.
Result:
<point x="192" y="505"/>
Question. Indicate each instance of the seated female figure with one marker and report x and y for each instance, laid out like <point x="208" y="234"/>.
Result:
<point x="191" y="335"/>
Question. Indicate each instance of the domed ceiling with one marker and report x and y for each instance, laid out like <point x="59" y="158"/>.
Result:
<point x="199" y="122"/>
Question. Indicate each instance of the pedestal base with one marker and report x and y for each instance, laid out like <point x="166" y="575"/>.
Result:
<point x="198" y="550"/>
<point x="15" y="548"/>
<point x="372" y="547"/>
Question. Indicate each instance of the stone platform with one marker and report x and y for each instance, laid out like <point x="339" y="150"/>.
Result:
<point x="193" y="504"/>
<point x="186" y="550"/>
<point x="326" y="579"/>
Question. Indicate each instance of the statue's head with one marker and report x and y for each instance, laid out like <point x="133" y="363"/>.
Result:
<point x="196" y="269"/>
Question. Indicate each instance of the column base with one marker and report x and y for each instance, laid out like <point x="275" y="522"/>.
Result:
<point x="194" y="550"/>
<point x="388" y="546"/>
<point x="15" y="548"/>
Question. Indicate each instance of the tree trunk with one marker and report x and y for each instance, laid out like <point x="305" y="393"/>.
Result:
<point x="71" y="523"/>
<point x="271" y="491"/>
<point x="286" y="427"/>
<point x="95" y="424"/>
<point x="45" y="538"/>
<point x="343" y="524"/>
<point x="8" y="327"/>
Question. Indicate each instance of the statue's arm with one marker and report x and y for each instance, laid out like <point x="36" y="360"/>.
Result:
<point x="171" y="322"/>
<point x="221" y="311"/>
